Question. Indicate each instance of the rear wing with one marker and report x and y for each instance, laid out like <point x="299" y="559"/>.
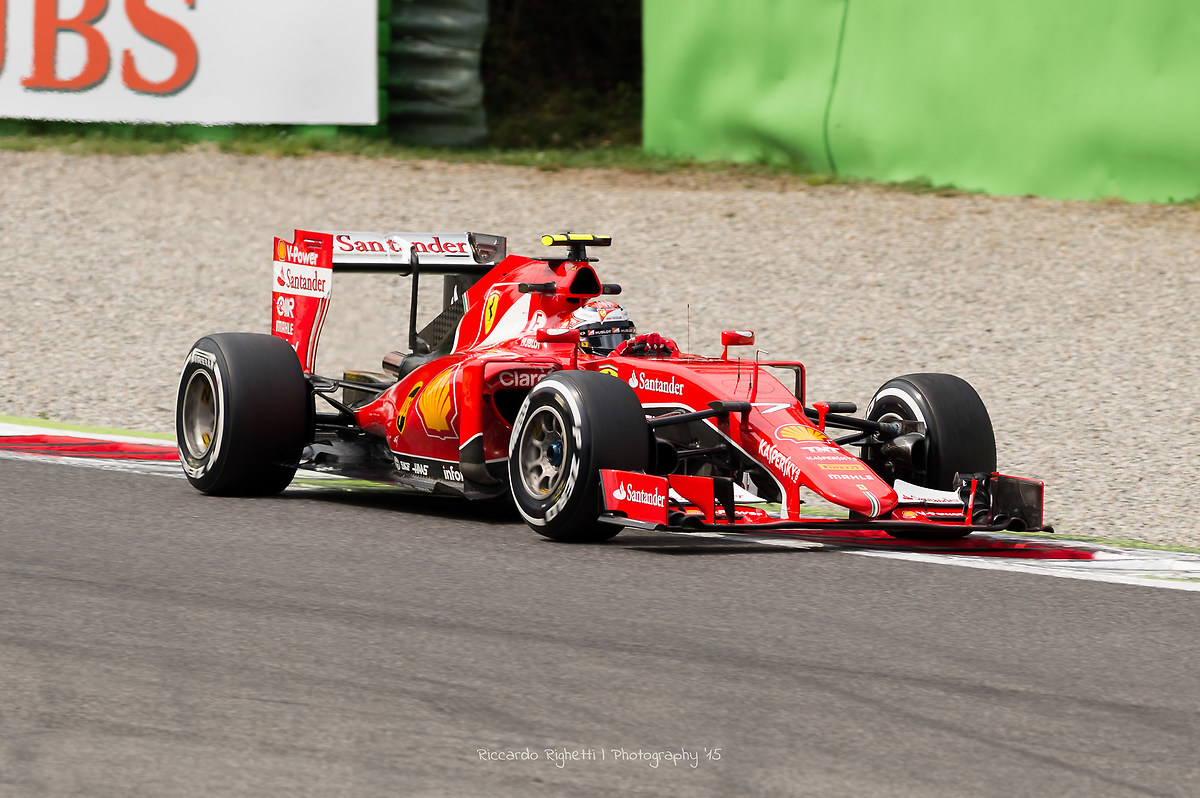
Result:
<point x="436" y="253"/>
<point x="304" y="267"/>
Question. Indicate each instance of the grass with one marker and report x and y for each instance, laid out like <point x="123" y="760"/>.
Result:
<point x="291" y="141"/>
<point x="617" y="152"/>
<point x="287" y="141"/>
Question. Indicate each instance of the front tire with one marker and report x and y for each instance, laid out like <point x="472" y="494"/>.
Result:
<point x="241" y="414"/>
<point x="571" y="425"/>
<point x="958" y="430"/>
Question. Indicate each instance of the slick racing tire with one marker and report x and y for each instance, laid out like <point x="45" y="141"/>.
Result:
<point x="571" y="425"/>
<point x="958" y="430"/>
<point x="242" y="414"/>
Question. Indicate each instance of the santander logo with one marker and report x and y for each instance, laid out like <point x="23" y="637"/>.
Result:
<point x="628" y="493"/>
<point x="656" y="385"/>
<point x="302" y="280"/>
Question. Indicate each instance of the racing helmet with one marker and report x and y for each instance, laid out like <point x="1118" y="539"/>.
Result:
<point x="602" y="326"/>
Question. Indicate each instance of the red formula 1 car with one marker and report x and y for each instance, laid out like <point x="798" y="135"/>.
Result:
<point x="529" y="383"/>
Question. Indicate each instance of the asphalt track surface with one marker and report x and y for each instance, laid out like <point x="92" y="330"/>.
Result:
<point x="154" y="641"/>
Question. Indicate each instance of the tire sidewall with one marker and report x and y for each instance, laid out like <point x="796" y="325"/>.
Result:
<point x="263" y="414"/>
<point x="205" y="472"/>
<point x="605" y="427"/>
<point x="569" y="500"/>
<point x="958" y="431"/>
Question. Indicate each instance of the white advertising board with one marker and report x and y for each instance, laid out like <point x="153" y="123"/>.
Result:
<point x="190" y="61"/>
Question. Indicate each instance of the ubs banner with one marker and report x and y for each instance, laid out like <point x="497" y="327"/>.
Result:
<point x="194" y="61"/>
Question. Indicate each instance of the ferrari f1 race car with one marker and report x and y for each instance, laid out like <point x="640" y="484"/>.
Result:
<point x="530" y="383"/>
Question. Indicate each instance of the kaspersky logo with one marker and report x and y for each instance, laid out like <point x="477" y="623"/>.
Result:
<point x="778" y="460"/>
<point x="628" y="493"/>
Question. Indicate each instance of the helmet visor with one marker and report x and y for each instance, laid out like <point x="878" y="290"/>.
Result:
<point x="602" y="342"/>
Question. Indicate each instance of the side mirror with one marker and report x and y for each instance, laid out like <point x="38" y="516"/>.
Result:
<point x="735" y="338"/>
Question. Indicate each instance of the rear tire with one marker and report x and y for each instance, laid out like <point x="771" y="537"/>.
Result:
<point x="241" y="414"/>
<point x="571" y="425"/>
<point x="958" y="430"/>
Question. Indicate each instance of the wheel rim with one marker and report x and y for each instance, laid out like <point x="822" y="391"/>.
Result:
<point x="543" y="445"/>
<point x="199" y="414"/>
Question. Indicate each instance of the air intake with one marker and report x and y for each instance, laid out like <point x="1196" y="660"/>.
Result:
<point x="586" y="283"/>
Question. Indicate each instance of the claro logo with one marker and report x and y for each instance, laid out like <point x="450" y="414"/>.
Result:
<point x="155" y="29"/>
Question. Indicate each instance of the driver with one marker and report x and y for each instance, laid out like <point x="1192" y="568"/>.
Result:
<point x="605" y="327"/>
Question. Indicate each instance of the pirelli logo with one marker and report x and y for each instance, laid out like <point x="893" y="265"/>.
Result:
<point x="843" y="467"/>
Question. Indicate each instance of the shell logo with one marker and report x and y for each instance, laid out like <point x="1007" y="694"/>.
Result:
<point x="800" y="433"/>
<point x="489" y="311"/>
<point x="436" y="407"/>
<point x="281" y="252"/>
<point x="843" y="467"/>
<point x="402" y="416"/>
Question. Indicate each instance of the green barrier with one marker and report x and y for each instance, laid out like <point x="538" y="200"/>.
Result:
<point x="433" y="84"/>
<point x="1074" y="99"/>
<point x="746" y="80"/>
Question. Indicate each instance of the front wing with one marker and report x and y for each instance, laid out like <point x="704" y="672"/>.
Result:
<point x="991" y="503"/>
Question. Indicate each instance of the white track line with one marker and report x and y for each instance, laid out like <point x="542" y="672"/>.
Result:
<point x="1144" y="567"/>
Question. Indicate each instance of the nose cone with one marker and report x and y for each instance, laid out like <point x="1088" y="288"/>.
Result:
<point x="865" y="497"/>
<point x="830" y="471"/>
